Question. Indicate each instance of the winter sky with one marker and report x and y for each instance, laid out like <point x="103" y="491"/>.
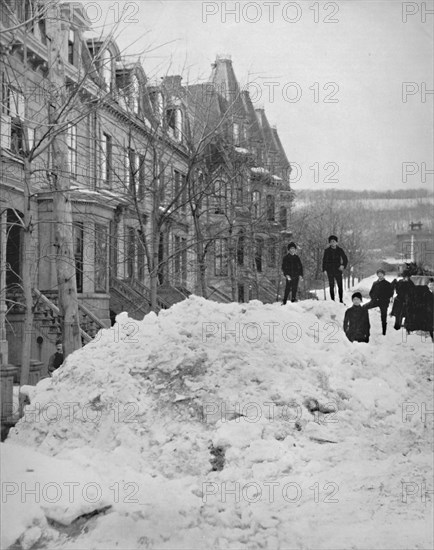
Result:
<point x="346" y="83"/>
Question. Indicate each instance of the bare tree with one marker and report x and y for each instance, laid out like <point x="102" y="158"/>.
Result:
<point x="321" y="217"/>
<point x="57" y="107"/>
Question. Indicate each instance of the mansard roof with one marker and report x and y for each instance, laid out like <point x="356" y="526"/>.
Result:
<point x="283" y="158"/>
<point x="204" y="109"/>
<point x="226" y="85"/>
<point x="254" y="128"/>
<point x="265" y="129"/>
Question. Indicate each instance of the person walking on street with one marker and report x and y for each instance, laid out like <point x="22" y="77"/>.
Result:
<point x="356" y="321"/>
<point x="380" y="294"/>
<point x="293" y="270"/>
<point x="333" y="264"/>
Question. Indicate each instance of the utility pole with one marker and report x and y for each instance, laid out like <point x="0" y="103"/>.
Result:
<point x="60" y="175"/>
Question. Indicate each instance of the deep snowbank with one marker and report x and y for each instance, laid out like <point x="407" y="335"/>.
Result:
<point x="147" y="410"/>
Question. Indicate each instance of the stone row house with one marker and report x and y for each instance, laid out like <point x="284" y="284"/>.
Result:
<point x="175" y="188"/>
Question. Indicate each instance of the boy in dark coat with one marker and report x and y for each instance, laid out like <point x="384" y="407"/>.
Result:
<point x="293" y="270"/>
<point x="419" y="310"/>
<point x="333" y="263"/>
<point x="356" y="321"/>
<point x="403" y="289"/>
<point x="380" y="295"/>
<point x="56" y="360"/>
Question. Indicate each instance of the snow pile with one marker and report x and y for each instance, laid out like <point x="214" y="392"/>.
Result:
<point x="230" y="426"/>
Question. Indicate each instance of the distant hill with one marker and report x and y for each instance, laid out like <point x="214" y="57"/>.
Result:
<point x="384" y="214"/>
<point x="350" y="194"/>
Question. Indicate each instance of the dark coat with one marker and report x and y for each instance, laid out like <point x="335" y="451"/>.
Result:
<point x="402" y="288"/>
<point x="356" y="324"/>
<point x="292" y="266"/>
<point x="381" y="291"/>
<point x="418" y="309"/>
<point x="333" y="259"/>
<point x="55" y="361"/>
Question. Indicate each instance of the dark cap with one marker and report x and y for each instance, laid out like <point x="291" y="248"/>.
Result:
<point x="292" y="245"/>
<point x="357" y="295"/>
<point x="333" y="238"/>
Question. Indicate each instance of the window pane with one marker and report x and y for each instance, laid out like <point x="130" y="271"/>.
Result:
<point x="100" y="258"/>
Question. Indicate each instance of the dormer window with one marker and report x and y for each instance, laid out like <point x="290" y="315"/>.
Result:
<point x="127" y="82"/>
<point x="174" y="121"/>
<point x="178" y="124"/>
<point x="107" y="69"/>
<point x="171" y="120"/>
<point x="236" y="133"/>
<point x="157" y="103"/>
<point x="134" y="93"/>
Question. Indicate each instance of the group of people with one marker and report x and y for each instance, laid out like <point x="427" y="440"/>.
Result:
<point x="412" y="303"/>
<point x="413" y="307"/>
<point x="333" y="264"/>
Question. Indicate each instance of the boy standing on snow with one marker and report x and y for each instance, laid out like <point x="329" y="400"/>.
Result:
<point x="356" y="321"/>
<point x="380" y="295"/>
<point x="333" y="263"/>
<point x="293" y="270"/>
<point x="403" y="290"/>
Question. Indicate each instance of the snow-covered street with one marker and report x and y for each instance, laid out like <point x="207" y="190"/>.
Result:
<point x="228" y="426"/>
